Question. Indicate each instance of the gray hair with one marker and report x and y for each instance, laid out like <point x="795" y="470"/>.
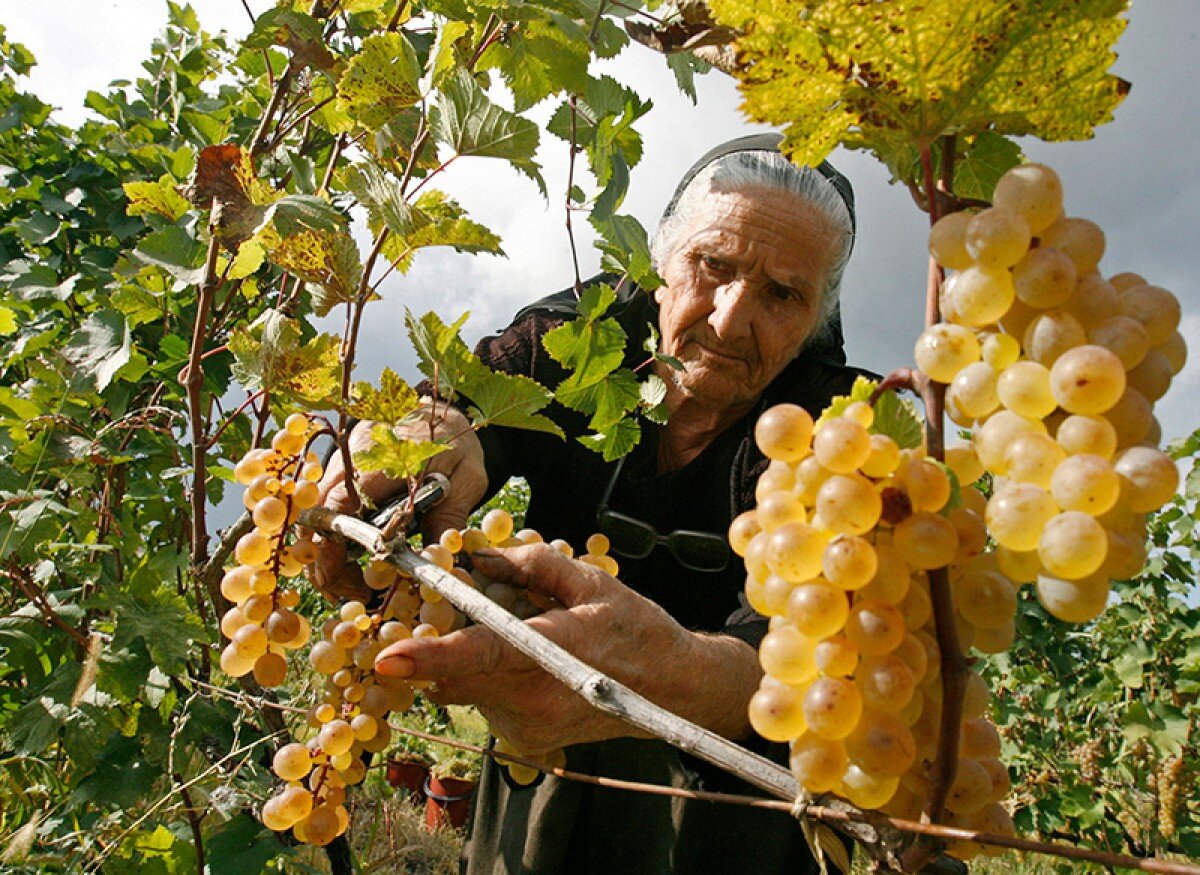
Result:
<point x="739" y="171"/>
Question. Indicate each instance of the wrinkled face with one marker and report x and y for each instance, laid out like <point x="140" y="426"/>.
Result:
<point x="742" y="292"/>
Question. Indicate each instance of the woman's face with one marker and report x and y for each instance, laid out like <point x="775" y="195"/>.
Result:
<point x="742" y="292"/>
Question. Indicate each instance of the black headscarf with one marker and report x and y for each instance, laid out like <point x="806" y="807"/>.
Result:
<point x="829" y="344"/>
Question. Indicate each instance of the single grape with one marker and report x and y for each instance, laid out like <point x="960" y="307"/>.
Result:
<point x="1019" y="566"/>
<point x="235" y="585"/>
<point x="926" y="540"/>
<point x="890" y="582"/>
<point x="1174" y="348"/>
<point x="836" y="657"/>
<point x="1000" y="350"/>
<point x="972" y="787"/>
<point x="971" y="531"/>
<point x="234" y="663"/>
<point x="985" y="597"/>
<point x="1079" y="239"/>
<point x="1157" y="309"/>
<point x="784" y="432"/>
<point x="883" y="458"/>
<point x="1093" y="435"/>
<point x="978" y="296"/>
<point x="788" y="655"/>
<point x="817" y="610"/>
<point x="818" y="762"/>
<point x="810" y="474"/>
<point x="832" y="707"/>
<point x="973" y="390"/>
<point x="997" y="238"/>
<point x="866" y="790"/>
<point x="1152" y="377"/>
<point x="778" y="509"/>
<point x="794" y="551"/>
<point x="849" y="504"/>
<point x="886" y="683"/>
<point x="779" y="477"/>
<point x="948" y="241"/>
<point x="1017" y="513"/>
<point x="1088" y="379"/>
<point x="270" y="670"/>
<point x="1033" y="458"/>
<point x="881" y="745"/>
<point x="992" y="439"/>
<point x="1044" y="278"/>
<point x="252" y="549"/>
<point x="1131" y="418"/>
<point x="849" y="562"/>
<point x="1034" y="191"/>
<point x="842" y="445"/>
<point x="875" y="628"/>
<point x="965" y="464"/>
<point x="1025" y="389"/>
<point x="925" y="481"/>
<point x="497" y="524"/>
<point x="1073" y="601"/>
<point x="776" y="710"/>
<point x="1148" y="477"/>
<point x="1124" y="337"/>
<point x="943" y="350"/>
<point x="1093" y="301"/>
<point x="1050" y="334"/>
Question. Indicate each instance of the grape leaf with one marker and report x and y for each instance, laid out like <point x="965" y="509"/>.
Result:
<point x="616" y="441"/>
<point x="158" y="616"/>
<point x="442" y="58"/>
<point x="328" y="260"/>
<point x="383" y="198"/>
<point x="271" y="354"/>
<point x="607" y="399"/>
<point x="159" y="198"/>
<point x="883" y="76"/>
<point x="395" y="456"/>
<point x="8" y="321"/>
<point x="653" y="392"/>
<point x="381" y="81"/>
<point x="506" y="399"/>
<point x="441" y="354"/>
<point x="470" y="124"/>
<point x="537" y="60"/>
<point x="437" y="220"/>
<point x="176" y="251"/>
<point x="895" y="417"/>
<point x="392" y="402"/>
<point x="625" y="249"/>
<point x="100" y="347"/>
<point x="591" y="347"/>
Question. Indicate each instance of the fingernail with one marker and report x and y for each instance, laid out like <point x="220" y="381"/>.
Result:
<point x="395" y="667"/>
<point x="487" y="553"/>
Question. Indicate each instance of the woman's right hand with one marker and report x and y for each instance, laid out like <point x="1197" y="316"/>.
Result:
<point x="462" y="464"/>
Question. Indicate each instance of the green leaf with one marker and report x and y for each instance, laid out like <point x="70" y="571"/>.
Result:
<point x="442" y="59"/>
<point x="241" y="847"/>
<point x="625" y="249"/>
<point x="607" y="399"/>
<point x="383" y="198"/>
<point x="391" y="403"/>
<point x="160" y="198"/>
<point x="441" y="354"/>
<point x="176" y="251"/>
<point x="396" y="457"/>
<point x="160" y="618"/>
<point x="610" y="199"/>
<point x="884" y="76"/>
<point x="100" y="347"/>
<point x="437" y="220"/>
<point x="381" y="80"/>
<point x="652" y="395"/>
<point x="590" y="348"/>
<point x="537" y="60"/>
<point x="986" y="158"/>
<point x="8" y="321"/>
<point x="616" y="441"/>
<point x="510" y="400"/>
<point x="472" y="125"/>
<point x="304" y="212"/>
<point x="38" y="229"/>
<point x="328" y="260"/>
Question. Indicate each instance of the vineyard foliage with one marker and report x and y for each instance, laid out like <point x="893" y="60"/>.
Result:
<point x="173" y="251"/>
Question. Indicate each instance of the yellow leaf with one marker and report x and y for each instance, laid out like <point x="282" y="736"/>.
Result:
<point x="327" y="259"/>
<point x="381" y="80"/>
<point x="160" y="198"/>
<point x="390" y="403"/>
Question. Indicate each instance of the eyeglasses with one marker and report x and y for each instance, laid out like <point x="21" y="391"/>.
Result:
<point x="635" y="539"/>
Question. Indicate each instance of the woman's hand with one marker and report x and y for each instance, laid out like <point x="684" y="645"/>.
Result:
<point x="706" y="679"/>
<point x="462" y="464"/>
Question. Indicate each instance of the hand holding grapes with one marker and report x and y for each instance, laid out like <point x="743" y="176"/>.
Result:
<point x="605" y="624"/>
<point x="462" y="464"/>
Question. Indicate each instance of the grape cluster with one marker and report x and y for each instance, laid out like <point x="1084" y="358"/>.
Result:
<point x="262" y="625"/>
<point x="1169" y="795"/>
<point x="837" y="550"/>
<point x="1055" y="370"/>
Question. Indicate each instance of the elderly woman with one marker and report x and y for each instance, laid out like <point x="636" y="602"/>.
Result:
<point x="751" y="252"/>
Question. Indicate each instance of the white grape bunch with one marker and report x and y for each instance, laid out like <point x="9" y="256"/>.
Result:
<point x="837" y="551"/>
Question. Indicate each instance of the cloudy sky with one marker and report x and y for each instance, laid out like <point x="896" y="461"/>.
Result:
<point x="1139" y="179"/>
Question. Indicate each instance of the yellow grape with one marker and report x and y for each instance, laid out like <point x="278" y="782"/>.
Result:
<point x="779" y="509"/>
<point x="948" y="241"/>
<point x="1072" y="545"/>
<point x="783" y="432"/>
<point x="1033" y="458"/>
<point x="497" y="524"/>
<point x="881" y="745"/>
<point x="1019" y="566"/>
<point x="794" y="551"/>
<point x="965" y="464"/>
<point x="1032" y="190"/>
<point x="235" y="664"/>
<point x="250" y="641"/>
<point x="779" y="477"/>
<point x="252" y="549"/>
<point x="1087" y="483"/>
<point x="818" y="762"/>
<point x="274" y="817"/>
<point x="849" y="562"/>
<point x="776" y="710"/>
<point x="891" y="580"/>
<point x="817" y="610"/>
<point x="832" y="707"/>
<point x="788" y="655"/>
<point x="1157" y="309"/>
<point x="973" y="390"/>
<point x="866" y="790"/>
<point x="1017" y="513"/>
<point x="1093" y="435"/>
<point x="336" y="737"/>
<point x="270" y="514"/>
<point x="971" y="531"/>
<point x="926" y="483"/>
<point x="235" y="585"/>
<point x="251" y="467"/>
<point x="742" y="530"/>
<point x="1127" y="280"/>
<point x="972" y="788"/>
<point x="1148" y="478"/>
<point x="836" y="657"/>
<point x="849" y="504"/>
<point x="943" y="350"/>
<point x="992" y="440"/>
<point x="295" y="803"/>
<point x="1174" y="348"/>
<point x="1152" y="377"/>
<point x="1125" y="557"/>
<point x="1044" y="278"/>
<point x="912" y="651"/>
<point x="886" y="683"/>
<point x="1050" y="334"/>
<point x="326" y="657"/>
<point x="319" y="828"/>
<point x="1124" y="337"/>
<point x="810" y="474"/>
<point x="1089" y="379"/>
<point x="984" y="597"/>
<point x="1093" y="301"/>
<point x="997" y="238"/>
<point x="925" y="540"/>
<point x="978" y="738"/>
<point x="916" y="607"/>
<point x="292" y="762"/>
<point x="875" y="628"/>
<point x="842" y="445"/>
<point x="1131" y="418"/>
<point x="1079" y="239"/>
<point x="883" y="458"/>
<point x="270" y="670"/>
<point x="977" y="296"/>
<point x="1024" y="388"/>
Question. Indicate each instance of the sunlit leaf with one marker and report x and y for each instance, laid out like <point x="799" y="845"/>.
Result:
<point x="390" y="403"/>
<point x="100" y="347"/>
<point x="271" y="354"/>
<point x="616" y="442"/>
<point x="395" y="456"/>
<point x="381" y="80"/>
<point x="159" y="198"/>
